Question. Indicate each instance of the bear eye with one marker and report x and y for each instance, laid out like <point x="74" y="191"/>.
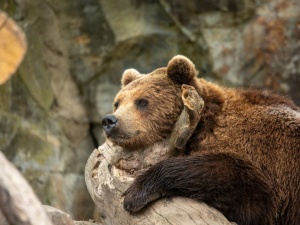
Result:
<point x="116" y="105"/>
<point x="142" y="103"/>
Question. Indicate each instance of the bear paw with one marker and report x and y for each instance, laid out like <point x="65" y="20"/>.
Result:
<point x="136" y="199"/>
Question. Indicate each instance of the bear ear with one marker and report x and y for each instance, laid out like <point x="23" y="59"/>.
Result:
<point x="129" y="75"/>
<point x="181" y="70"/>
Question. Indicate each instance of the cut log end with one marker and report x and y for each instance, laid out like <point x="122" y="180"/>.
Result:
<point x="13" y="46"/>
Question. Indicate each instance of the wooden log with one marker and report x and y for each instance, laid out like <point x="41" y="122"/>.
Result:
<point x="18" y="203"/>
<point x="110" y="170"/>
<point x="13" y="46"/>
<point x="106" y="184"/>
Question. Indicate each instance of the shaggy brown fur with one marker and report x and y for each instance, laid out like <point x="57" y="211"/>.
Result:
<point x="243" y="158"/>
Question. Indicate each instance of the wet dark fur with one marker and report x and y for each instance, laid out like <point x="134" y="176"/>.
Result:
<point x="243" y="158"/>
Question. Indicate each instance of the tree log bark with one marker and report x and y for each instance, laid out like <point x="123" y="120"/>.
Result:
<point x="106" y="184"/>
<point x="110" y="170"/>
<point x="18" y="203"/>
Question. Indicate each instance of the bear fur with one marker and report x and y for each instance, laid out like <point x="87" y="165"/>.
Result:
<point x="243" y="157"/>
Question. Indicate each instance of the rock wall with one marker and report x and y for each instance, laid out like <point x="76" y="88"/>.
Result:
<point x="51" y="110"/>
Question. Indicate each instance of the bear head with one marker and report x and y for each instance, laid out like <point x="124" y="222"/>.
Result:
<point x="147" y="107"/>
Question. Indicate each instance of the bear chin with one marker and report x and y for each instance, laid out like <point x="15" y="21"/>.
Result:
<point x="129" y="141"/>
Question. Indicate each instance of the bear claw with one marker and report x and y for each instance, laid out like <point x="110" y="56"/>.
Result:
<point x="133" y="202"/>
<point x="136" y="199"/>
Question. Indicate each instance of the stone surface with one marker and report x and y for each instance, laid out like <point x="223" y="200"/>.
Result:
<point x="9" y="124"/>
<point x="18" y="202"/>
<point x="51" y="110"/>
<point x="60" y="190"/>
<point x="58" y="217"/>
<point x="45" y="120"/>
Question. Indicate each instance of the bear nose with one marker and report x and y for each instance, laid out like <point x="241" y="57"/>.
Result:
<point x="109" y="122"/>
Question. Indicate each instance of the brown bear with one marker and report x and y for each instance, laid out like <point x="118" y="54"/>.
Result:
<point x="243" y="157"/>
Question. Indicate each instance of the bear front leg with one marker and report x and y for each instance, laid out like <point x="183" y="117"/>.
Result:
<point x="233" y="185"/>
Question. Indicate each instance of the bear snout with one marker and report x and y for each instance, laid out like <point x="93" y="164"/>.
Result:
<point x="109" y="122"/>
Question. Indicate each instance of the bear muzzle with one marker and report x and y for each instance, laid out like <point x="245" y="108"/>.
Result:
<point x="109" y="123"/>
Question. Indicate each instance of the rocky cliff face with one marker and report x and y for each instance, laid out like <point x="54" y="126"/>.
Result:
<point x="50" y="111"/>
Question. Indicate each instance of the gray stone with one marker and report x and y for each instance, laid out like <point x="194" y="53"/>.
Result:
<point x="9" y="124"/>
<point x="68" y="192"/>
<point x="5" y="96"/>
<point x="58" y="217"/>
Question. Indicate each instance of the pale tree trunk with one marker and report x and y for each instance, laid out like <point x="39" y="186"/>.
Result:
<point x="110" y="170"/>
<point x="18" y="203"/>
